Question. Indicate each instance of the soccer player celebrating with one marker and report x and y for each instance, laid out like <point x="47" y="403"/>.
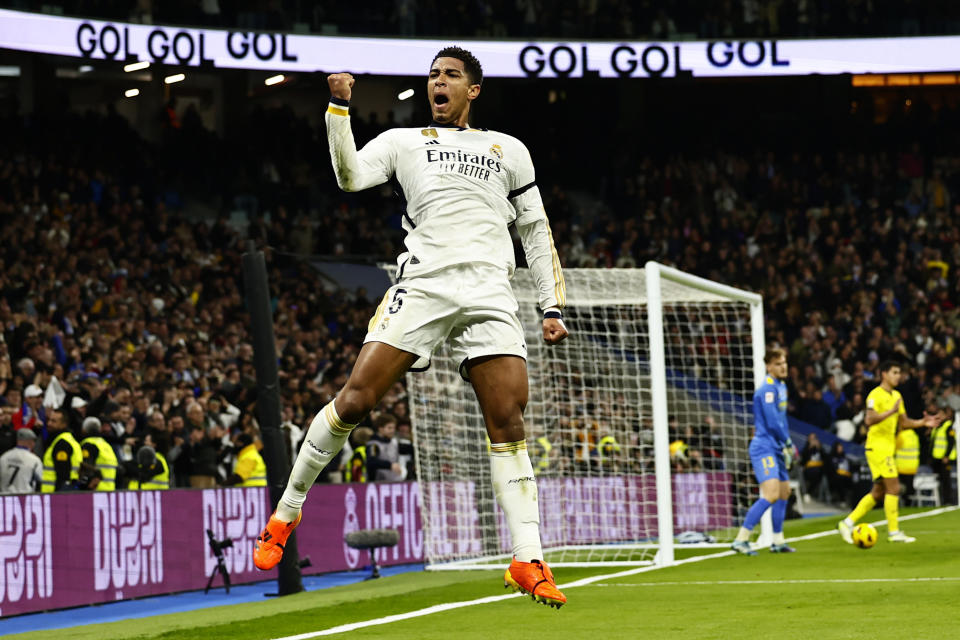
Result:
<point x="464" y="187"/>
<point x="885" y="414"/>
<point x="771" y="452"/>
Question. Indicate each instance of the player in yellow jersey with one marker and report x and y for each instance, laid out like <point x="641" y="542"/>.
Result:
<point x="885" y="415"/>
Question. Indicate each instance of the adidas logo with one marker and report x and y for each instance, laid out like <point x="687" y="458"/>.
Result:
<point x="432" y="142"/>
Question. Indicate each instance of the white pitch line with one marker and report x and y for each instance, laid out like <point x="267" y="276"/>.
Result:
<point x="437" y="608"/>
<point x="913" y="516"/>
<point x="726" y="582"/>
<point x="577" y="583"/>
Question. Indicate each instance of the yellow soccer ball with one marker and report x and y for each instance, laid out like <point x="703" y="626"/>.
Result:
<point x="864" y="535"/>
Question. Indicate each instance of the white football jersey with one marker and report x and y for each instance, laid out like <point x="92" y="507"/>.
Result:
<point x="20" y="471"/>
<point x="463" y="189"/>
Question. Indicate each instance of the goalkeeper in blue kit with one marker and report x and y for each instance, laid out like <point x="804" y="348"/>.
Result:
<point x="771" y="452"/>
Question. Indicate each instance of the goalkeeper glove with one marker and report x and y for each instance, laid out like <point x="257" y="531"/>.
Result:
<point x="789" y="453"/>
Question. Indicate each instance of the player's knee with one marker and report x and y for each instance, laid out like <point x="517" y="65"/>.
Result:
<point x="354" y="404"/>
<point x="506" y="424"/>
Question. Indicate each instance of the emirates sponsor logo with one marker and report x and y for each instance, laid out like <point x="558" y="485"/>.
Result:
<point x="127" y="539"/>
<point x="26" y="555"/>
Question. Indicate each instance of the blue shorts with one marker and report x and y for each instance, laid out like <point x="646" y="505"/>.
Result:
<point x="768" y="465"/>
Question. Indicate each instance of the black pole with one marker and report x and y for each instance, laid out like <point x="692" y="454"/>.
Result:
<point x="268" y="404"/>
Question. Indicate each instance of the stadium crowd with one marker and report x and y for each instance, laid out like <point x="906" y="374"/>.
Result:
<point x="125" y="321"/>
<point x="611" y="19"/>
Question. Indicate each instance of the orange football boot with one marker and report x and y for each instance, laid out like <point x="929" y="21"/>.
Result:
<point x="536" y="579"/>
<point x="268" y="549"/>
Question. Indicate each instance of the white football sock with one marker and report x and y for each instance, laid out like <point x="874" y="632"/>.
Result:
<point x="325" y="438"/>
<point x="516" y="489"/>
<point x="778" y="538"/>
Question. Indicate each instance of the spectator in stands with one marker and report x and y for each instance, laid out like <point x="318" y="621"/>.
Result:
<point x="405" y="449"/>
<point x="202" y="454"/>
<point x="812" y="461"/>
<point x="833" y="397"/>
<point x="31" y="415"/>
<point x="20" y="468"/>
<point x="8" y="438"/>
<point x="712" y="444"/>
<point x="840" y="475"/>
<point x="850" y="417"/>
<point x="292" y="435"/>
<point x="178" y="455"/>
<point x="383" y="451"/>
<point x="356" y="467"/>
<point x="77" y="413"/>
<point x="197" y="417"/>
<point x="813" y="409"/>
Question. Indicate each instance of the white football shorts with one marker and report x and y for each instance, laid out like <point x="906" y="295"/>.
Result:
<point x="472" y="305"/>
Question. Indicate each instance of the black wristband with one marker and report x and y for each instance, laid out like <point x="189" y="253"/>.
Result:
<point x="340" y="102"/>
<point x="552" y="314"/>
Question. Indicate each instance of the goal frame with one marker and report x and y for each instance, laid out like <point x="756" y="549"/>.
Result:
<point x="654" y="272"/>
<point x="654" y="275"/>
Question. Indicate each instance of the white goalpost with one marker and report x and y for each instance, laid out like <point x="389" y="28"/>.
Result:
<point x="637" y="425"/>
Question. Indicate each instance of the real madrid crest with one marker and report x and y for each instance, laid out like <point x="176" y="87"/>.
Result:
<point x="497" y="151"/>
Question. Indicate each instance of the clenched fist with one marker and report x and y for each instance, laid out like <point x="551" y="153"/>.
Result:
<point x="341" y="85"/>
<point x="554" y="331"/>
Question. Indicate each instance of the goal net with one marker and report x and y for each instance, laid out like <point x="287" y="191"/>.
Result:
<point x="637" y="425"/>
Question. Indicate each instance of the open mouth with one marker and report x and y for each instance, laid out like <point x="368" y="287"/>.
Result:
<point x="440" y="99"/>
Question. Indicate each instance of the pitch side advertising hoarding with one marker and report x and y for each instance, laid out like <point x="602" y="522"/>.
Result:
<point x="124" y="42"/>
<point x="65" y="550"/>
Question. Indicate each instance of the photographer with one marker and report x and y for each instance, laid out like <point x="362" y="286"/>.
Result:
<point x="88" y="478"/>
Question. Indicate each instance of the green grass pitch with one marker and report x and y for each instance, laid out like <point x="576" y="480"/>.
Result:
<point x="826" y="590"/>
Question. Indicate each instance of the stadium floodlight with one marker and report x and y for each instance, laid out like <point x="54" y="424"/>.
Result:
<point x="638" y="425"/>
<point x="131" y="93"/>
<point x="178" y="77"/>
<point x="403" y="95"/>
<point x="272" y="80"/>
<point x="136" y="66"/>
<point x="9" y="71"/>
<point x="85" y="68"/>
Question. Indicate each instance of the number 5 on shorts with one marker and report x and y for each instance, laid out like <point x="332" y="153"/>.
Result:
<point x="396" y="302"/>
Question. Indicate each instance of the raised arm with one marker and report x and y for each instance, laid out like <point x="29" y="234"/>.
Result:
<point x="355" y="170"/>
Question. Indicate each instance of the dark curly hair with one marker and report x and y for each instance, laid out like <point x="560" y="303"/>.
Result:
<point x="470" y="63"/>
